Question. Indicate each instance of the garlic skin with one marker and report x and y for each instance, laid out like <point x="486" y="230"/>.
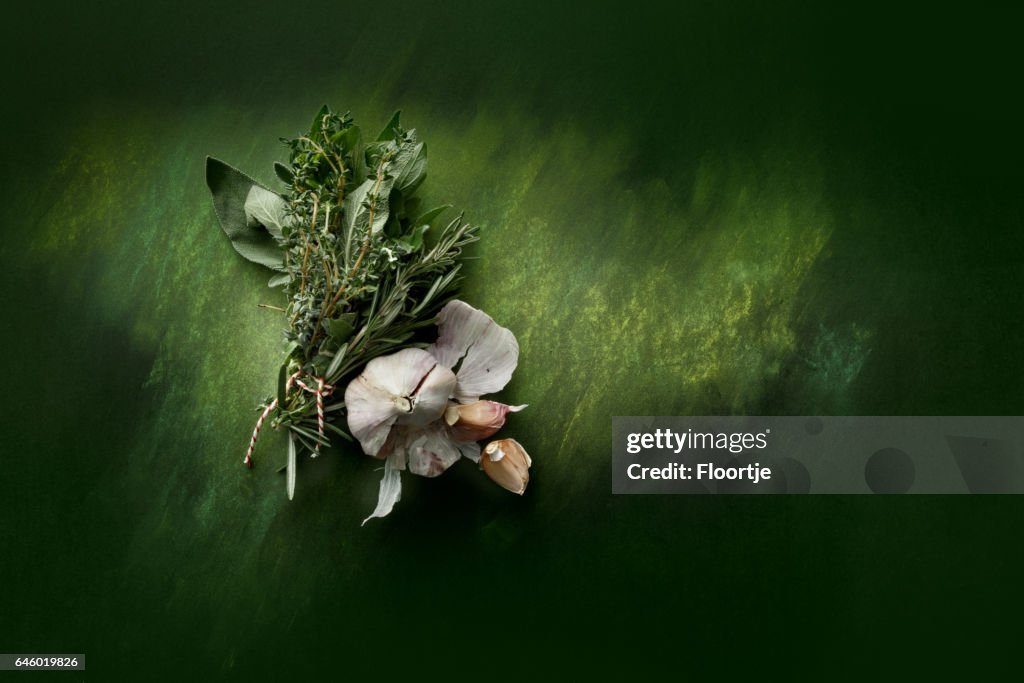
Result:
<point x="507" y="463"/>
<point x="485" y="352"/>
<point x="477" y="421"/>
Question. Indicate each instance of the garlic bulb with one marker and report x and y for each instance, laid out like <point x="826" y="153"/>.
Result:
<point x="416" y="411"/>
<point x="405" y="388"/>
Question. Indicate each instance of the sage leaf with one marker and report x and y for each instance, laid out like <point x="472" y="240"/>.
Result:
<point x="355" y="144"/>
<point x="427" y="217"/>
<point x="411" y="166"/>
<point x="266" y="208"/>
<point x="230" y="189"/>
<point x="389" y="129"/>
<point x="283" y="173"/>
<point x="318" y="121"/>
<point x="414" y="240"/>
<point x="279" y="279"/>
<point x="347" y="138"/>
<point x="357" y="205"/>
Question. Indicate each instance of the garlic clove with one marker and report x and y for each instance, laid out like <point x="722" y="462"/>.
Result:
<point x="507" y="463"/>
<point x="371" y="413"/>
<point x="479" y="420"/>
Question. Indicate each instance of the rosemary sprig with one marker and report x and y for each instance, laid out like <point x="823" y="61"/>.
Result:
<point x="363" y="267"/>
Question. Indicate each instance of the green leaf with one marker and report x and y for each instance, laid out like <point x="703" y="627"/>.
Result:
<point x="396" y="201"/>
<point x="282" y="384"/>
<point x="341" y="328"/>
<point x="290" y="484"/>
<point x="283" y="173"/>
<point x="230" y="188"/>
<point x="427" y="217"/>
<point x="396" y="207"/>
<point x="372" y="153"/>
<point x="310" y="436"/>
<point x="357" y="213"/>
<point x="389" y="129"/>
<point x="339" y="356"/>
<point x="320" y="363"/>
<point x="266" y="208"/>
<point x="279" y="279"/>
<point x="413" y="207"/>
<point x="414" y="240"/>
<point x="348" y="138"/>
<point x="353" y="142"/>
<point x="337" y="430"/>
<point x="318" y="121"/>
<point x="410" y="166"/>
<point x="395" y="340"/>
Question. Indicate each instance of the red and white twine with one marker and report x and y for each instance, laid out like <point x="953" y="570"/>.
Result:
<point x="322" y="389"/>
<point x="319" y="409"/>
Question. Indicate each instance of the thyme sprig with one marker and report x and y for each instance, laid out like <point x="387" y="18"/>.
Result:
<point x="362" y="266"/>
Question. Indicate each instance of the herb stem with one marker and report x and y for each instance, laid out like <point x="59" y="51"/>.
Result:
<point x="320" y="149"/>
<point x="387" y="288"/>
<point x="305" y="255"/>
<point x="329" y="308"/>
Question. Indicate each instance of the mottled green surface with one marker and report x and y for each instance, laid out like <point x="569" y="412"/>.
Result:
<point x="746" y="210"/>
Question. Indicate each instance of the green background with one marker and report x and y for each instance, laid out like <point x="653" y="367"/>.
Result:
<point x="762" y="208"/>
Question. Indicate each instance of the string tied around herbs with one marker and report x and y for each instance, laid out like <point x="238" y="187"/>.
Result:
<point x="320" y="390"/>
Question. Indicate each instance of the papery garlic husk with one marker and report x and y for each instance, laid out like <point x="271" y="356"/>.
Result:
<point x="507" y="463"/>
<point x="477" y="421"/>
<point x="485" y="353"/>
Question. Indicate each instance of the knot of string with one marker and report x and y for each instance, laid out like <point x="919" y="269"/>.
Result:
<point x="321" y="389"/>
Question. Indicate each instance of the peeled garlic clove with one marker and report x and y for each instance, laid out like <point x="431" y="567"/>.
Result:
<point x="507" y="463"/>
<point x="477" y="421"/>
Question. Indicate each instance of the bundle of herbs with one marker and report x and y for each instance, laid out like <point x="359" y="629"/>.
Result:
<point x="365" y="269"/>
